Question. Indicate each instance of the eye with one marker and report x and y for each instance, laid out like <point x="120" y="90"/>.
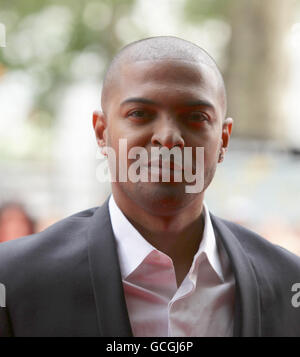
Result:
<point x="198" y="116"/>
<point x="137" y="114"/>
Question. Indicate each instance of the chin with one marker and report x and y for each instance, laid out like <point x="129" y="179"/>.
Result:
<point x="161" y="198"/>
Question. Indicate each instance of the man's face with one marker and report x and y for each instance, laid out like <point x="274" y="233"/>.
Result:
<point x="165" y="103"/>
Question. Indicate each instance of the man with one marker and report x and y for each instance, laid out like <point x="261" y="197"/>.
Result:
<point x="152" y="261"/>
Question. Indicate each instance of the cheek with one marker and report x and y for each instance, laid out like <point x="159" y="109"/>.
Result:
<point x="121" y="142"/>
<point x="134" y="135"/>
<point x="211" y="153"/>
<point x="211" y="144"/>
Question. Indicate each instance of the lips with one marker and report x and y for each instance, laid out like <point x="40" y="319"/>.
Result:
<point x="158" y="164"/>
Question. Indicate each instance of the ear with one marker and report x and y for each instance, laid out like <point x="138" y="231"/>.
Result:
<point x="99" y="124"/>
<point x="226" y="132"/>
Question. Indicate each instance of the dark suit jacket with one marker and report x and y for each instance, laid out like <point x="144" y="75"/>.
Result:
<point x="66" y="281"/>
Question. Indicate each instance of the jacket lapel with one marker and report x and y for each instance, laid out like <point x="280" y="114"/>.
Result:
<point x="107" y="284"/>
<point x="247" y="315"/>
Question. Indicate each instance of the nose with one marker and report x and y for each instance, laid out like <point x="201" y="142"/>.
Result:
<point x="167" y="134"/>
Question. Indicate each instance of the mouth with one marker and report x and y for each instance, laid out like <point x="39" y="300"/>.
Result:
<point x="164" y="171"/>
<point x="170" y="170"/>
<point x="165" y="165"/>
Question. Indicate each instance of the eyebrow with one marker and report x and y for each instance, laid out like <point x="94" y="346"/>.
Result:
<point x="139" y="100"/>
<point x="190" y="103"/>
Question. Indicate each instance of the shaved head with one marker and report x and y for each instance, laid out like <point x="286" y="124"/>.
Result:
<point x="158" y="49"/>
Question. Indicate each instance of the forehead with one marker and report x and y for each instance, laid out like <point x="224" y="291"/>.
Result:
<point x="167" y="79"/>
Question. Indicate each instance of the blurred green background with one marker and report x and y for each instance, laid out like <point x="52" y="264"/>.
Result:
<point x="51" y="70"/>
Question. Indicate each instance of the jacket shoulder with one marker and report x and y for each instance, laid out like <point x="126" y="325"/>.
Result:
<point x="35" y="250"/>
<point x="40" y="274"/>
<point x="277" y="277"/>
<point x="259" y="249"/>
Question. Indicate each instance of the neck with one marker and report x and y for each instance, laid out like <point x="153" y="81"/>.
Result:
<point x="178" y="236"/>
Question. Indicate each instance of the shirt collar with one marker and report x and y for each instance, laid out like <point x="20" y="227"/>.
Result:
<point x="133" y="248"/>
<point x="208" y="244"/>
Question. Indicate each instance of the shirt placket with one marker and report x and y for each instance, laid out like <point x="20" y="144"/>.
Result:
<point x="186" y="289"/>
